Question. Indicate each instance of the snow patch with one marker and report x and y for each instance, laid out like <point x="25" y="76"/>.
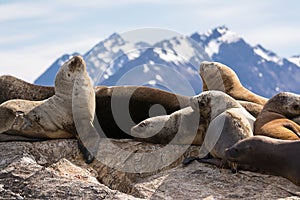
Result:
<point x="167" y="55"/>
<point x="159" y="78"/>
<point x="226" y="37"/>
<point x="152" y="82"/>
<point x="145" y="68"/>
<point x="212" y="48"/>
<point x="295" y="60"/>
<point x="268" y="56"/>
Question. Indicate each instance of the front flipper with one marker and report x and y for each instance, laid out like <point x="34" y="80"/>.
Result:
<point x="189" y="160"/>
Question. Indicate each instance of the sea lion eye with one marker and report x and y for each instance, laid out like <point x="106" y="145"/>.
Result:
<point x="201" y="104"/>
<point x="143" y="124"/>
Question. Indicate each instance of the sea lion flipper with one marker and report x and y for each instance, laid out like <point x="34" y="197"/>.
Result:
<point x="87" y="156"/>
<point x="7" y="118"/>
<point x="189" y="160"/>
<point x="214" y="161"/>
<point x="292" y="128"/>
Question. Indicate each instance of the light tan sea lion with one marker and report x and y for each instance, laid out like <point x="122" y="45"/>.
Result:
<point x="216" y="76"/>
<point x="48" y="119"/>
<point x="272" y="156"/>
<point x="119" y="108"/>
<point x="276" y="118"/>
<point x="229" y="121"/>
<point x="181" y="127"/>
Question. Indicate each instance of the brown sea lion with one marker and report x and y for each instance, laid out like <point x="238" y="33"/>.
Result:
<point x="272" y="156"/>
<point x="275" y="119"/>
<point x="14" y="88"/>
<point x="119" y="108"/>
<point x="216" y="76"/>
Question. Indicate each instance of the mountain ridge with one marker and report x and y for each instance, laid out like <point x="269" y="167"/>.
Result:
<point x="115" y="61"/>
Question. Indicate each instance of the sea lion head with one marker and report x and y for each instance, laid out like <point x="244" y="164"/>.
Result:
<point x="249" y="151"/>
<point x="285" y="103"/>
<point x="212" y="103"/>
<point x="241" y="152"/>
<point x="217" y="76"/>
<point x="149" y="127"/>
<point x="67" y="74"/>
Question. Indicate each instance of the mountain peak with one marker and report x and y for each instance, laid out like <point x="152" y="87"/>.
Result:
<point x="222" y="29"/>
<point x="214" y="38"/>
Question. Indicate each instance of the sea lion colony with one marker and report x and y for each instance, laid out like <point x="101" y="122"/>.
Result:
<point x="31" y="112"/>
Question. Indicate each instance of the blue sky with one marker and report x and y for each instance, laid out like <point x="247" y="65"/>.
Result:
<point x="33" y="34"/>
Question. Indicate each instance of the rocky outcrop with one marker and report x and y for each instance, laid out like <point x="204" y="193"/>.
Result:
<point x="55" y="169"/>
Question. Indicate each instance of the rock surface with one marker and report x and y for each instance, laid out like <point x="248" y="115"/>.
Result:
<point x="54" y="170"/>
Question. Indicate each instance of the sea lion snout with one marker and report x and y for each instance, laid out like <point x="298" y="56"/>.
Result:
<point x="76" y="62"/>
<point x="231" y="153"/>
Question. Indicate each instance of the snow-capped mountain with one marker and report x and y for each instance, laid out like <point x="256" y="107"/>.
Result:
<point x="172" y="64"/>
<point x="260" y="70"/>
<point x="108" y="56"/>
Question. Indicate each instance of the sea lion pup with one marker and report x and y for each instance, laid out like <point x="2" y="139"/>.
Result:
<point x="272" y="156"/>
<point x="181" y="127"/>
<point x="14" y="88"/>
<point x="48" y="119"/>
<point x="229" y="122"/>
<point x="119" y="108"/>
<point x="276" y="118"/>
<point x="216" y="76"/>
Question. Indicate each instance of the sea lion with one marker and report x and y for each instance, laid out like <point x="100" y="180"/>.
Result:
<point x="181" y="127"/>
<point x="273" y="156"/>
<point x="276" y="118"/>
<point x="229" y="121"/>
<point x="48" y="119"/>
<point x="14" y="88"/>
<point x="119" y="108"/>
<point x="216" y="76"/>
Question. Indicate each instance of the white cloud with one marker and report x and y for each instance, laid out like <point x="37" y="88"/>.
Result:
<point x="22" y="10"/>
<point x="14" y="39"/>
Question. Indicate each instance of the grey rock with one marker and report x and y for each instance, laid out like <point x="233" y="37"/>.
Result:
<point x="55" y="169"/>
